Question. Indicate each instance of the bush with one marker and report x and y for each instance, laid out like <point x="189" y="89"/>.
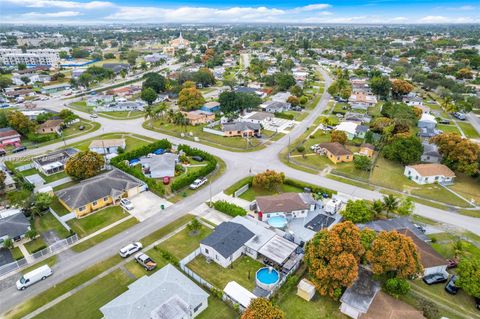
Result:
<point x="314" y="188"/>
<point x="41" y="138"/>
<point x="429" y="309"/>
<point x="300" y="148"/>
<point x="397" y="287"/>
<point x="285" y="116"/>
<point x="169" y="257"/>
<point x="189" y="177"/>
<point x="229" y="208"/>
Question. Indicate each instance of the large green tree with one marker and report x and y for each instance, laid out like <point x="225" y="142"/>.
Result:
<point x="190" y="99"/>
<point x="405" y="150"/>
<point x="469" y="276"/>
<point x="155" y="81"/>
<point x="381" y="86"/>
<point x="84" y="165"/>
<point x="148" y="95"/>
<point x="358" y="211"/>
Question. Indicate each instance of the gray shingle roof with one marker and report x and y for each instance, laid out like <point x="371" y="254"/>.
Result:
<point x="394" y="224"/>
<point x="361" y="294"/>
<point x="14" y="225"/>
<point x="166" y="294"/>
<point x="240" y="126"/>
<point x="112" y="183"/>
<point x="227" y="238"/>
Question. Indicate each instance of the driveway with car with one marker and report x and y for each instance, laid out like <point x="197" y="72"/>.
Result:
<point x="147" y="204"/>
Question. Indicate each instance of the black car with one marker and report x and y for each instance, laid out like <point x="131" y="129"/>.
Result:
<point x="444" y="121"/>
<point x="2" y="152"/>
<point x="19" y="149"/>
<point x="450" y="286"/>
<point x="435" y="279"/>
<point x="477" y="303"/>
<point x="197" y="158"/>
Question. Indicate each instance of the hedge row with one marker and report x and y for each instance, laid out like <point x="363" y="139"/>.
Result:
<point x="120" y="162"/>
<point x="285" y="116"/>
<point x="186" y="179"/>
<point x="229" y="208"/>
<point x="314" y="188"/>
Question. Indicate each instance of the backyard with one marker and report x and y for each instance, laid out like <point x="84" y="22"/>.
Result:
<point x="242" y="271"/>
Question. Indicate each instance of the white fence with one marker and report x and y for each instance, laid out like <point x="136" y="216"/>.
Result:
<point x="212" y="131"/>
<point x="59" y="245"/>
<point x="241" y="190"/>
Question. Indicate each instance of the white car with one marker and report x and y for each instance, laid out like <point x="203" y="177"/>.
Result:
<point x="125" y="203"/>
<point x="197" y="183"/>
<point x="130" y="249"/>
<point x="93" y="115"/>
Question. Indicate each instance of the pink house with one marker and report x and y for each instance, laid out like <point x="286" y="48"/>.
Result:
<point x="9" y="136"/>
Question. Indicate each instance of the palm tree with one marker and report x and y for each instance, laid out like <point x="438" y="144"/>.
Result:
<point x="448" y="105"/>
<point x="390" y="203"/>
<point x="377" y="207"/>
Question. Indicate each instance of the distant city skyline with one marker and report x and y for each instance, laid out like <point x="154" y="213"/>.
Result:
<point x="233" y="11"/>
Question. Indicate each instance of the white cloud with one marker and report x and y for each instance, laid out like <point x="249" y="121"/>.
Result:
<point x="61" y="14"/>
<point x="443" y="19"/>
<point x="311" y="7"/>
<point x="467" y="8"/>
<point x="60" y="4"/>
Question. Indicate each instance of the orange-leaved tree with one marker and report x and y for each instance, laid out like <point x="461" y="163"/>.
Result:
<point x="261" y="308"/>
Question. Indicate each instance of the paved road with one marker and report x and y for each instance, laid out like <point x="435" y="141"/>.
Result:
<point x="238" y="165"/>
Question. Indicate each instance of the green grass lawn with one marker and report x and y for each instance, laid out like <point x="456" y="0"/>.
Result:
<point x="253" y="192"/>
<point x="242" y="271"/>
<point x="58" y="207"/>
<point x="49" y="222"/>
<point x="16" y="253"/>
<point x="50" y="261"/>
<point x="133" y="141"/>
<point x="46" y="178"/>
<point x="74" y="129"/>
<point x="123" y="115"/>
<point x="468" y="187"/>
<point x="468" y="129"/>
<point x="183" y="243"/>
<point x="151" y="238"/>
<point x="35" y="245"/>
<point x="217" y="310"/>
<point x="234" y="187"/>
<point x="86" y="302"/>
<point x="81" y="106"/>
<point x="448" y="128"/>
<point x="97" y="220"/>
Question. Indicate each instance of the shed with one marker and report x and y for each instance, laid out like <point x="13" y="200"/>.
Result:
<point x="305" y="289"/>
<point x="239" y="294"/>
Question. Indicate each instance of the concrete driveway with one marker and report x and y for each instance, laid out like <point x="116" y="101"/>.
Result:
<point x="146" y="205"/>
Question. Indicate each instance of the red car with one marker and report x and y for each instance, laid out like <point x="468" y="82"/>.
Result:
<point x="166" y="180"/>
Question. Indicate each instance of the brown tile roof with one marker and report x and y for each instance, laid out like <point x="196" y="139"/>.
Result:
<point x="433" y="170"/>
<point x="336" y="148"/>
<point x="7" y="132"/>
<point x="428" y="256"/>
<point x="50" y="124"/>
<point x="387" y="307"/>
<point x="366" y="145"/>
<point x="285" y="202"/>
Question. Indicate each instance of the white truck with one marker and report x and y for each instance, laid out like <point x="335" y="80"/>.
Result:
<point x="41" y="273"/>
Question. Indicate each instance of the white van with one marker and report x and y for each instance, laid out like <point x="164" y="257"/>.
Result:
<point x="34" y="276"/>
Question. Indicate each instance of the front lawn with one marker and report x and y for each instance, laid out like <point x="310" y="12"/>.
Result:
<point x="253" y="192"/>
<point x="81" y="106"/>
<point x="133" y="141"/>
<point x="97" y="220"/>
<point x="49" y="222"/>
<point x="58" y="207"/>
<point x="242" y="271"/>
<point x="183" y="243"/>
<point x="448" y="128"/>
<point x="35" y="245"/>
<point x="86" y="303"/>
<point x="468" y="129"/>
<point x="123" y="115"/>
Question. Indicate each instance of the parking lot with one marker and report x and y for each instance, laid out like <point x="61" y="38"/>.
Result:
<point x="147" y="204"/>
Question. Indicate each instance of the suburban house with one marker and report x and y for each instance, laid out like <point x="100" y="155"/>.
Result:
<point x="49" y="89"/>
<point x="98" y="100"/>
<point x="243" y="129"/>
<point x="357" y="298"/>
<point x="211" y="107"/>
<point x="429" y="173"/>
<point x="275" y="106"/>
<point x="244" y="235"/>
<point x="244" y="89"/>
<point x="257" y="117"/>
<point x="336" y="152"/>
<point x="120" y="105"/>
<point x="50" y="126"/>
<point x="367" y="150"/>
<point x="9" y="183"/>
<point x="199" y="117"/>
<point x="362" y="100"/>
<point x="13" y="225"/>
<point x="8" y="136"/>
<point x="99" y="191"/>
<point x="117" y="67"/>
<point x="358" y="118"/>
<point x="430" y="153"/>
<point x="109" y="146"/>
<point x="53" y="162"/>
<point x="387" y="307"/>
<point x="289" y="205"/>
<point x="361" y="130"/>
<point x="426" y="125"/>
<point x="352" y="129"/>
<point x="159" y="166"/>
<point x="281" y="97"/>
<point x="165" y="294"/>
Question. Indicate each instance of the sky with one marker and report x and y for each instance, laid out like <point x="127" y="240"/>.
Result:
<point x="239" y="11"/>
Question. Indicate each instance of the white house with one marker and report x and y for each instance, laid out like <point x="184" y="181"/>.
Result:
<point x="107" y="146"/>
<point x="429" y="173"/>
<point x="295" y="205"/>
<point x="350" y="128"/>
<point x="427" y="121"/>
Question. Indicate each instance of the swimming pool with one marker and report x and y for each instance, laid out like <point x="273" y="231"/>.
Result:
<point x="278" y="222"/>
<point x="267" y="278"/>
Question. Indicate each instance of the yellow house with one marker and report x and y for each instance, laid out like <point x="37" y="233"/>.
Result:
<point x="336" y="152"/>
<point x="99" y="191"/>
<point x="367" y="149"/>
<point x="199" y="117"/>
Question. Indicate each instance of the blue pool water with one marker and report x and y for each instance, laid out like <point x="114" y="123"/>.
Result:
<point x="267" y="277"/>
<point x="277" y="222"/>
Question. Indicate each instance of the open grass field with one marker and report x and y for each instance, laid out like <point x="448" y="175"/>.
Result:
<point x="242" y="271"/>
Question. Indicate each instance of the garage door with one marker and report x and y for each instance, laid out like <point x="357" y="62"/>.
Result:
<point x="132" y="192"/>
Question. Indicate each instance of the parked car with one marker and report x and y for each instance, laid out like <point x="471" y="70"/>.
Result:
<point x="19" y="149"/>
<point x="134" y="162"/>
<point x="93" y="115"/>
<point x="2" y="152"/>
<point x="444" y="121"/>
<point x="159" y="151"/>
<point x="450" y="286"/>
<point x="81" y="127"/>
<point x="420" y="228"/>
<point x="125" y="203"/>
<point x="197" y="158"/>
<point x="130" y="249"/>
<point x="459" y="115"/>
<point x="452" y="263"/>
<point x="41" y="273"/>
<point x="145" y="261"/>
<point x="477" y="303"/>
<point x="435" y="278"/>
<point x="197" y="183"/>
<point x="258" y="135"/>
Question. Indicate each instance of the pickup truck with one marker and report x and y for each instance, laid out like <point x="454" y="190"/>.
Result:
<point x="145" y="261"/>
<point x="197" y="183"/>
